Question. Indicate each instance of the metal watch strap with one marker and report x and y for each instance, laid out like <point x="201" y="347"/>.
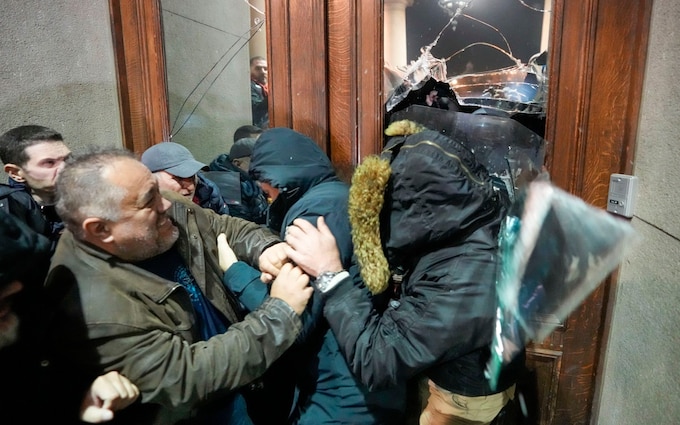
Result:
<point x="327" y="280"/>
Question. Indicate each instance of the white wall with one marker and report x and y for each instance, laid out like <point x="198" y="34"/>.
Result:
<point x="57" y="70"/>
<point x="641" y="381"/>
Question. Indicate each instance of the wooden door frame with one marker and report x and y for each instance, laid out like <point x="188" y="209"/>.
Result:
<point x="593" y="115"/>
<point x="140" y="66"/>
<point x="326" y="79"/>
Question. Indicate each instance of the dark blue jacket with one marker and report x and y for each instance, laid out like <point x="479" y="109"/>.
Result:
<point x="259" y="100"/>
<point x="29" y="369"/>
<point x="16" y="199"/>
<point x="327" y="391"/>
<point x="208" y="195"/>
<point x="251" y="204"/>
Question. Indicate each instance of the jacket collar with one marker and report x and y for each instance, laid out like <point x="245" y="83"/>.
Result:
<point x="157" y="288"/>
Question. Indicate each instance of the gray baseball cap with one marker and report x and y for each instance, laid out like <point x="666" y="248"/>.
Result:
<point x="172" y="158"/>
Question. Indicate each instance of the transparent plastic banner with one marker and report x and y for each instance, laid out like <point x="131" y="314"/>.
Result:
<point x="555" y="250"/>
<point x="512" y="153"/>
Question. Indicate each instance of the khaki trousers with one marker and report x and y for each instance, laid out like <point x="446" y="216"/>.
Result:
<point x="446" y="408"/>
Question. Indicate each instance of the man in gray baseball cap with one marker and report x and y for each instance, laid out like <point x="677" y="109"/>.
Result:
<point x="172" y="158"/>
<point x="177" y="170"/>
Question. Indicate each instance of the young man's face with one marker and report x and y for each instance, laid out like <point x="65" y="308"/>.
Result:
<point x="45" y="161"/>
<point x="258" y="71"/>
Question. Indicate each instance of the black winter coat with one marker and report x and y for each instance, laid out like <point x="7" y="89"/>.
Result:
<point x="244" y="197"/>
<point x="439" y="228"/>
<point x="16" y="199"/>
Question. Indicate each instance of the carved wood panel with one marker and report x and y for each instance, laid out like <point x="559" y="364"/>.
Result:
<point x="539" y="389"/>
<point x="594" y="94"/>
<point x="298" y="72"/>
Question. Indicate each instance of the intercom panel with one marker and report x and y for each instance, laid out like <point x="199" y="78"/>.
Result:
<point x="622" y="194"/>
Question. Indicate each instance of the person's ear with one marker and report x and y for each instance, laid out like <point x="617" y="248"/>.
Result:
<point x="97" y="229"/>
<point x="236" y="162"/>
<point x="15" y="172"/>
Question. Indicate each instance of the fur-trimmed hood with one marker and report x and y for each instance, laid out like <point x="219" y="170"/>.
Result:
<point x="424" y="191"/>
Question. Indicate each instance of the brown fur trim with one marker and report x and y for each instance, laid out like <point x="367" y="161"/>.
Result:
<point x="404" y="128"/>
<point x="366" y="197"/>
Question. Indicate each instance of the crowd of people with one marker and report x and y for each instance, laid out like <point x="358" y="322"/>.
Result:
<point x="258" y="289"/>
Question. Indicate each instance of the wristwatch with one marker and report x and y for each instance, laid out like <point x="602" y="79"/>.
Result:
<point x="327" y="280"/>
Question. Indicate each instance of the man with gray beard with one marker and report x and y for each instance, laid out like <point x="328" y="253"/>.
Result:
<point x="147" y="297"/>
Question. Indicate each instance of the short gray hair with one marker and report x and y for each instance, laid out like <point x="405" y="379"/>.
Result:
<point x="83" y="191"/>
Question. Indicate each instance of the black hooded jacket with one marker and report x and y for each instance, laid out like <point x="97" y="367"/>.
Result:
<point x="309" y="187"/>
<point x="439" y="226"/>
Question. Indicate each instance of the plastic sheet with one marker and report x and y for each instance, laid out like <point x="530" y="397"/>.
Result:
<point x="512" y="153"/>
<point x="555" y="250"/>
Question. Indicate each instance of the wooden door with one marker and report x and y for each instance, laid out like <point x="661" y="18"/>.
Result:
<point x="326" y="64"/>
<point x="598" y="51"/>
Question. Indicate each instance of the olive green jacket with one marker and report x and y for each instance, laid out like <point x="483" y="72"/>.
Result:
<point x="117" y="316"/>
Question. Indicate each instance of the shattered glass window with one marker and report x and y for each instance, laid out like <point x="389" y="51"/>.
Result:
<point x="477" y="73"/>
<point x="492" y="54"/>
<point x="207" y="53"/>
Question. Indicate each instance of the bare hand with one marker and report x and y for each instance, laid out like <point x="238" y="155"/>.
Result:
<point x="271" y="261"/>
<point x="313" y="249"/>
<point x="292" y="286"/>
<point x="107" y="394"/>
<point x="225" y="254"/>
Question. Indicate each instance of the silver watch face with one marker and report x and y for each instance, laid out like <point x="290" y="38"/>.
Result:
<point x="327" y="275"/>
<point x="324" y="279"/>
